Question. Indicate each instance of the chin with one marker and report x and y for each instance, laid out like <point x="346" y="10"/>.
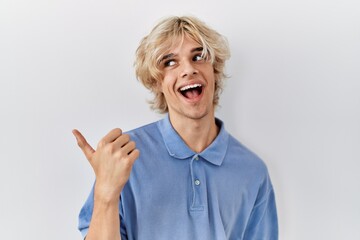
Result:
<point x="197" y="115"/>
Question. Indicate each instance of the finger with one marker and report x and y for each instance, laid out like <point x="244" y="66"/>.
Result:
<point x="83" y="144"/>
<point x="134" y="155"/>
<point x="129" y="147"/>
<point x="110" y="137"/>
<point x="121" y="141"/>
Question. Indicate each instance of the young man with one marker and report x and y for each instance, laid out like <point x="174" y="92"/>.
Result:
<point x="192" y="180"/>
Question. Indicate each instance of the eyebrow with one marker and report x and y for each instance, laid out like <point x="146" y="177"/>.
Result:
<point x="170" y="55"/>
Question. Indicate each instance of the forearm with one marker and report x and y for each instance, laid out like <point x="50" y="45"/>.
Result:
<point x="105" y="222"/>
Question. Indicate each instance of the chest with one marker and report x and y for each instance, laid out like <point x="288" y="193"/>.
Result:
<point x="191" y="185"/>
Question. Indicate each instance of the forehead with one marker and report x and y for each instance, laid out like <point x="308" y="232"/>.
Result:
<point x="181" y="44"/>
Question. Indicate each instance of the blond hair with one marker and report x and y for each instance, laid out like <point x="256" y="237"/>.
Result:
<point x="164" y="36"/>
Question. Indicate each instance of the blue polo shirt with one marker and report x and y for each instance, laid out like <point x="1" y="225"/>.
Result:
<point x="222" y="193"/>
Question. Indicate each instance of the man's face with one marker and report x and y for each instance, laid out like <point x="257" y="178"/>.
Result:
<point x="189" y="81"/>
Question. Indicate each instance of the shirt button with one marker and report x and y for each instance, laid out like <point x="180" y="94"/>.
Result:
<point x="197" y="182"/>
<point x="197" y="158"/>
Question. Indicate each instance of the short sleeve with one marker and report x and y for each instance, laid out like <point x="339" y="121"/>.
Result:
<point x="86" y="213"/>
<point x="123" y="231"/>
<point x="263" y="222"/>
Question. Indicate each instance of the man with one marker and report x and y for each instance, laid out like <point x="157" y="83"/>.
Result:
<point x="192" y="180"/>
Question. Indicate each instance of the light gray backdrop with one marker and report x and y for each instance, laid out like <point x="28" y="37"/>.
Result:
<point x="293" y="98"/>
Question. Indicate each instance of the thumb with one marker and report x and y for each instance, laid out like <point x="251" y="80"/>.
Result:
<point x="83" y="144"/>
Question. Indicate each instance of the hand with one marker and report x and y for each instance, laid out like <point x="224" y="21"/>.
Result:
<point x="112" y="162"/>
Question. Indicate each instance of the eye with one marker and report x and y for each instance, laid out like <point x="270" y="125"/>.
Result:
<point x="169" y="63"/>
<point x="198" y="57"/>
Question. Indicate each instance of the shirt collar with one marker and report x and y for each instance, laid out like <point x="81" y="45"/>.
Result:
<point x="214" y="153"/>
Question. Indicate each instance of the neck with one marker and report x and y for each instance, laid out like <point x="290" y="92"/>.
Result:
<point x="198" y="134"/>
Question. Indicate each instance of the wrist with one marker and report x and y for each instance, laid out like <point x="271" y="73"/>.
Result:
<point x="106" y="194"/>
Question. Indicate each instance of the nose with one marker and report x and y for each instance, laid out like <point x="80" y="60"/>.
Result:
<point x="188" y="69"/>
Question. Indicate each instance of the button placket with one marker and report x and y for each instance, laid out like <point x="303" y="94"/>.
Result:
<point x="195" y="168"/>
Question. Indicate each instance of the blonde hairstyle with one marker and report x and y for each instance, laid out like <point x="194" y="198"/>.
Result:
<point x="164" y="36"/>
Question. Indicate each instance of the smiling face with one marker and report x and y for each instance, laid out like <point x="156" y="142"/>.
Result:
<point x="188" y="81"/>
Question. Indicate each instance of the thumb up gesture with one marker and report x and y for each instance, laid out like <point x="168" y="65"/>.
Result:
<point x="112" y="162"/>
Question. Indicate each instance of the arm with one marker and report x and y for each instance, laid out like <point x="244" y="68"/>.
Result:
<point x="263" y="222"/>
<point x="112" y="163"/>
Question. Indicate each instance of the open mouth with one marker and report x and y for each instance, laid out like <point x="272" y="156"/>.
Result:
<point x="191" y="91"/>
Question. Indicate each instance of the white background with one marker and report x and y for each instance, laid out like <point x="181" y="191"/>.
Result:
<point x="293" y="98"/>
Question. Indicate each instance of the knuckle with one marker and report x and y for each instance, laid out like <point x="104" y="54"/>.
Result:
<point x="101" y="144"/>
<point x="119" y="155"/>
<point x="134" y="154"/>
<point x="128" y="162"/>
<point x="110" y="148"/>
<point x="80" y="144"/>
<point x="118" y="131"/>
<point x="126" y="137"/>
<point x="132" y="144"/>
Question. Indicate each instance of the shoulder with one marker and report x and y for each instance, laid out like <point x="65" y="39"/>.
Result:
<point x="251" y="165"/>
<point x="237" y="155"/>
<point x="148" y="129"/>
<point x="241" y="154"/>
<point x="148" y="132"/>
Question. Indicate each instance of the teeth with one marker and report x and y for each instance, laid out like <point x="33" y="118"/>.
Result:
<point x="190" y="86"/>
